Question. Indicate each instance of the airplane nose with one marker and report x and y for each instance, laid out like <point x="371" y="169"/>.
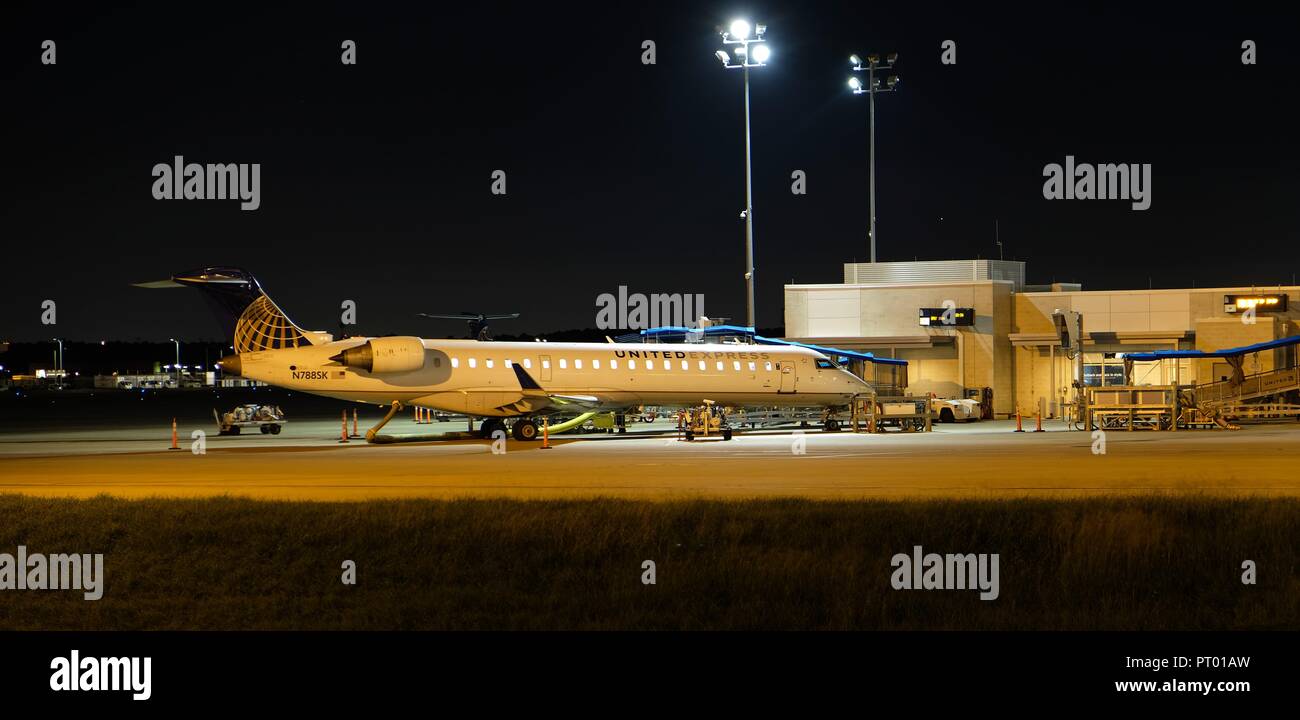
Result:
<point x="230" y="365"/>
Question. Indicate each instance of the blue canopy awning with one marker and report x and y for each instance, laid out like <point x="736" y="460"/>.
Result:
<point x="727" y="330"/>
<point x="1224" y="353"/>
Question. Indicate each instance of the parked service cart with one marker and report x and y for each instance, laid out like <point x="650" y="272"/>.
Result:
<point x="268" y="418"/>
<point x="707" y="421"/>
<point x="908" y="413"/>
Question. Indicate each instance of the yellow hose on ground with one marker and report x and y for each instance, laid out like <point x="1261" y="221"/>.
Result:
<point x="570" y="424"/>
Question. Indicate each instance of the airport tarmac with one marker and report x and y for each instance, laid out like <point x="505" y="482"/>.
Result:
<point x="979" y="460"/>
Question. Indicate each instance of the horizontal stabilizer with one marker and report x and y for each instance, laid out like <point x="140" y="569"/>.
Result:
<point x="156" y="284"/>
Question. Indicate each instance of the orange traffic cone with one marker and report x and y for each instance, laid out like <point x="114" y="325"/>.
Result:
<point x="546" y="434"/>
<point x="354" y="424"/>
<point x="175" y="444"/>
<point x="1018" y="427"/>
<point x="1038" y="422"/>
<point x="343" y="434"/>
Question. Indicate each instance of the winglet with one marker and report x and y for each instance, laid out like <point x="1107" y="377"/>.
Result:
<point x="525" y="380"/>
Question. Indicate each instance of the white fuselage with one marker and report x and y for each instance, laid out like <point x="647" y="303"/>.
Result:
<point x="476" y="378"/>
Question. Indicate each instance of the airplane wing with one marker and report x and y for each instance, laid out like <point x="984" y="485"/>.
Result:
<point x="537" y="398"/>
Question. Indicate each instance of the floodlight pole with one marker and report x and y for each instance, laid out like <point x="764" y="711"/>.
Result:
<point x="178" y="362"/>
<point x="749" y="217"/>
<point x="744" y="59"/>
<point x="871" y="90"/>
<point x="871" y="83"/>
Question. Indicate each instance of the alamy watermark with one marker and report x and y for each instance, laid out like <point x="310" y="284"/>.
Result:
<point x="213" y="181"/>
<point x="1107" y="181"/>
<point x="59" y="571"/>
<point x="638" y="311"/>
<point x="932" y="571"/>
<point x="75" y="673"/>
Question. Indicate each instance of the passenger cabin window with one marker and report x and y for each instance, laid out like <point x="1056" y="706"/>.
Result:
<point x="751" y="366"/>
<point x="701" y="366"/>
<point x="546" y="364"/>
<point x="768" y="366"/>
<point x="488" y="362"/>
<point x="736" y="364"/>
<point x="631" y="364"/>
<point x="686" y="365"/>
<point x="595" y="364"/>
<point x="527" y="363"/>
<point x="455" y="362"/>
<point x="577" y="364"/>
<point x="473" y="362"/>
<point x="508" y="363"/>
<point x="719" y="366"/>
<point x="564" y="364"/>
<point x="613" y="364"/>
<point x="668" y="365"/>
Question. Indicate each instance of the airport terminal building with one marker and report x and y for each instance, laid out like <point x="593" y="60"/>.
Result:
<point x="999" y="332"/>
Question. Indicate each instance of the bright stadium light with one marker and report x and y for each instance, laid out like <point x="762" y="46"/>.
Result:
<point x="739" y="29"/>
<point x="855" y="83"/>
<point x="762" y="53"/>
<point x="723" y="56"/>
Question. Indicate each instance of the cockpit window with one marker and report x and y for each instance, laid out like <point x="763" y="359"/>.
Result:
<point x="825" y="364"/>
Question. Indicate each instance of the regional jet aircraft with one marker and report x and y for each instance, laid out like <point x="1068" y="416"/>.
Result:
<point x="520" y="381"/>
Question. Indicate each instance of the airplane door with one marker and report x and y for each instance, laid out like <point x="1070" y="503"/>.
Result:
<point x="545" y="362"/>
<point x="787" y="377"/>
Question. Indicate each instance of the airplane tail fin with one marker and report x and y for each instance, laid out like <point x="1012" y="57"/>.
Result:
<point x="248" y="316"/>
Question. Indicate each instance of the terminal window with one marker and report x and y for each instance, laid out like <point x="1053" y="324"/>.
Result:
<point x="1092" y="374"/>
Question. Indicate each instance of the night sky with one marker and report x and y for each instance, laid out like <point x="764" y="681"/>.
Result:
<point x="376" y="177"/>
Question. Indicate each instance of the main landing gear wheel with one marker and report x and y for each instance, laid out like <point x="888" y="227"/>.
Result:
<point x="489" y="426"/>
<point x="831" y="425"/>
<point x="524" y="430"/>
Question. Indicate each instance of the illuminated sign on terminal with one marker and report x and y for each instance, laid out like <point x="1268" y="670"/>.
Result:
<point x="935" y="317"/>
<point x="1261" y="303"/>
